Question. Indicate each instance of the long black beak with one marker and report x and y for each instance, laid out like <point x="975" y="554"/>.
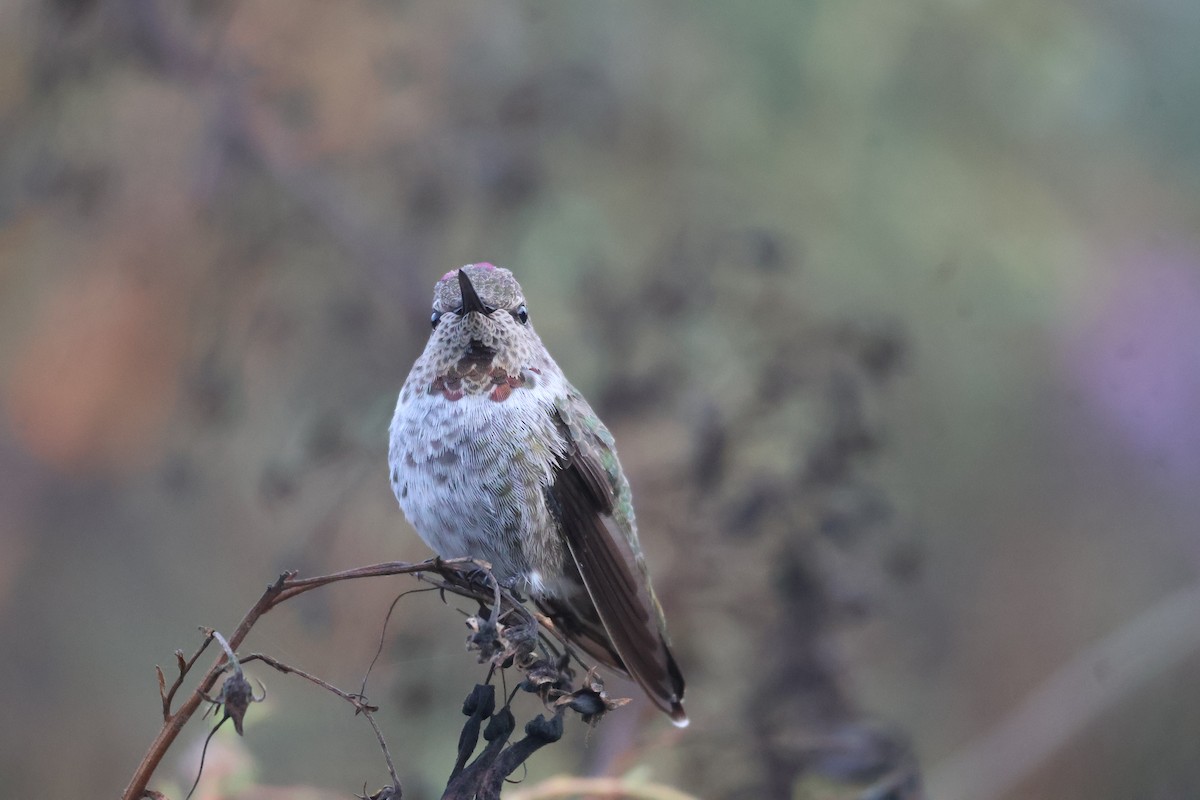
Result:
<point x="470" y="299"/>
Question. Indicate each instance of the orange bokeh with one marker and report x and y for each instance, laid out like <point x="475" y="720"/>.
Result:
<point x="97" y="377"/>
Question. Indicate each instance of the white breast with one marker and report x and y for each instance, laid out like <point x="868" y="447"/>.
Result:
<point x="470" y="474"/>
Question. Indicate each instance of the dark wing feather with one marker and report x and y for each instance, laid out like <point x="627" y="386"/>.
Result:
<point x="575" y="617"/>
<point x="582" y="498"/>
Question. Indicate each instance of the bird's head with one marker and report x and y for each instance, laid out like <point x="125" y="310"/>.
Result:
<point x="481" y="337"/>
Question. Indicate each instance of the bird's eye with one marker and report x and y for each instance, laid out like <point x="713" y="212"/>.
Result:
<point x="522" y="314"/>
<point x="435" y="317"/>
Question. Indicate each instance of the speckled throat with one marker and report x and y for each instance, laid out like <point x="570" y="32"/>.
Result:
<point x="475" y="374"/>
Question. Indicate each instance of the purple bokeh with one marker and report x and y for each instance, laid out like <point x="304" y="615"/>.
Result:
<point x="1139" y="358"/>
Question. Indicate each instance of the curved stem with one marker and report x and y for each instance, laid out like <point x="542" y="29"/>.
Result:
<point x="456" y="576"/>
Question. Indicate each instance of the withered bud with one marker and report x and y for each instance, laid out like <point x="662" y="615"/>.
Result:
<point x="591" y="700"/>
<point x="546" y="679"/>
<point x="519" y="641"/>
<point x="236" y="696"/>
<point x="484" y="637"/>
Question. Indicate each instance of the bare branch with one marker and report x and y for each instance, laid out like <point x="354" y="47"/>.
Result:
<point x="504" y="633"/>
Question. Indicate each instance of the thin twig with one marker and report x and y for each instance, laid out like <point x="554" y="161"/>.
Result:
<point x="362" y="691"/>
<point x="358" y="701"/>
<point x="184" y="668"/>
<point x="203" y="756"/>
<point x="298" y="586"/>
<point x="361" y="706"/>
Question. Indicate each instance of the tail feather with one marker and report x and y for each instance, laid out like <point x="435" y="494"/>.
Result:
<point x="578" y="621"/>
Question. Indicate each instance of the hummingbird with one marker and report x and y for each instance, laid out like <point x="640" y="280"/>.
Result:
<point x="494" y="455"/>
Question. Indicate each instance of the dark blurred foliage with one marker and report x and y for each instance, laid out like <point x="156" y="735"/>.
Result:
<point x="893" y="309"/>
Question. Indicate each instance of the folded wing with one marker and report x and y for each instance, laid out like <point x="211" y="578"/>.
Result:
<point x="583" y="499"/>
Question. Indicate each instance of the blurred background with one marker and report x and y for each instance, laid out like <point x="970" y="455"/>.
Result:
<point x="893" y="308"/>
